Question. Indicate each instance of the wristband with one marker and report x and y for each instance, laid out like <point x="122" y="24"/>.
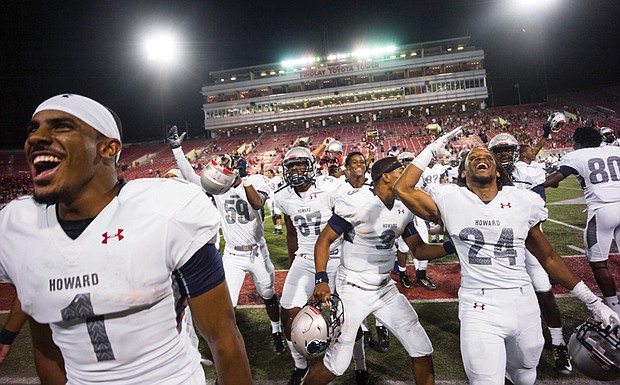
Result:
<point x="584" y="294"/>
<point x="423" y="159"/>
<point x="7" y="337"/>
<point x="448" y="246"/>
<point x="321" y="277"/>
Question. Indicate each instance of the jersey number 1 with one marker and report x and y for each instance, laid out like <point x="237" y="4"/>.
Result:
<point x="81" y="307"/>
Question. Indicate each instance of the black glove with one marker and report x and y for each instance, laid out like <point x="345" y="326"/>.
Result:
<point x="174" y="140"/>
<point x="547" y="130"/>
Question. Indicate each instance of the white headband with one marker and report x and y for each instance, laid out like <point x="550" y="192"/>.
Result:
<point x="88" y="110"/>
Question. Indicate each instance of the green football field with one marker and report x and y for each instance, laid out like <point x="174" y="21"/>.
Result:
<point x="564" y="229"/>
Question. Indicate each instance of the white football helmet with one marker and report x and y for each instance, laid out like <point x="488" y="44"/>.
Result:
<point x="501" y="142"/>
<point x="311" y="333"/>
<point x="335" y="148"/>
<point x="595" y="350"/>
<point x="405" y="157"/>
<point x="608" y="134"/>
<point x="294" y="175"/>
<point x="556" y="121"/>
<point x="216" y="178"/>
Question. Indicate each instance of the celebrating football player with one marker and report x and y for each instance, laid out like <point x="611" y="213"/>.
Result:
<point x="92" y="258"/>
<point x="491" y="224"/>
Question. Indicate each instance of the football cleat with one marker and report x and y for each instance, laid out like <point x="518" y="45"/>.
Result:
<point x="404" y="280"/>
<point x="362" y="377"/>
<point x="278" y="343"/>
<point x="383" y="339"/>
<point x="562" y="359"/>
<point x="296" y="376"/>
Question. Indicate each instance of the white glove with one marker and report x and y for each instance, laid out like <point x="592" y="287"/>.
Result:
<point x="600" y="311"/>
<point x="604" y="313"/>
<point x="174" y="140"/>
<point x="436" y="149"/>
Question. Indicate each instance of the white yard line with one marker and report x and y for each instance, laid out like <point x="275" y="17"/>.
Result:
<point x="565" y="224"/>
<point x="579" y="249"/>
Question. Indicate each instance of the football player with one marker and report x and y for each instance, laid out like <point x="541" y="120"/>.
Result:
<point x="276" y="214"/>
<point x="517" y="161"/>
<point x="370" y="221"/>
<point x="491" y="224"/>
<point x="241" y="209"/>
<point x="597" y="170"/>
<point x="307" y="204"/>
<point x="609" y="137"/>
<point x="92" y="257"/>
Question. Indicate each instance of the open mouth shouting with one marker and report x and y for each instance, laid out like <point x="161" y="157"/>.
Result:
<point x="44" y="166"/>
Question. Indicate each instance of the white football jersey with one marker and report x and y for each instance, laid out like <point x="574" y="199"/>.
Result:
<point x="615" y="143"/>
<point x="241" y="223"/>
<point x="489" y="237"/>
<point x="274" y="184"/>
<point x="107" y="295"/>
<point x="310" y="213"/>
<point x="433" y="175"/>
<point x="598" y="171"/>
<point x="369" y="248"/>
<point x="525" y="176"/>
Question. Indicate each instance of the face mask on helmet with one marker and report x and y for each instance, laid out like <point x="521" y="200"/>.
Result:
<point x="216" y="178"/>
<point x="312" y="332"/>
<point x="595" y="351"/>
<point x="298" y="166"/>
<point x="506" y="148"/>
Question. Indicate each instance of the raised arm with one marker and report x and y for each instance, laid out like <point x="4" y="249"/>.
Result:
<point x="256" y="199"/>
<point x="175" y="142"/>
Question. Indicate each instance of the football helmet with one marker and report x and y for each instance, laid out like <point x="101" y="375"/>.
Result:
<point x="334" y="148"/>
<point x="311" y="332"/>
<point x="405" y="157"/>
<point x="556" y="121"/>
<point x="216" y="177"/>
<point x="595" y="350"/>
<point x="608" y="134"/>
<point x="294" y="175"/>
<point x="506" y="147"/>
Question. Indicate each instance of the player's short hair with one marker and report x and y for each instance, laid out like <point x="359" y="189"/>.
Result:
<point x="382" y="166"/>
<point x="351" y="155"/>
<point x="587" y="137"/>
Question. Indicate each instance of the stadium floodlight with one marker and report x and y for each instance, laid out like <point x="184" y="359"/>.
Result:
<point x="163" y="48"/>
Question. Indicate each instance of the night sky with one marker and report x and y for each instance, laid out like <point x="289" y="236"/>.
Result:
<point x="95" y="48"/>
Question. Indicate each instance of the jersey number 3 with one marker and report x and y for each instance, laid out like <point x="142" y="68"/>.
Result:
<point x="81" y="307"/>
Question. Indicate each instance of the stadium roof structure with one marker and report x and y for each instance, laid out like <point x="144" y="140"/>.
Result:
<point x="350" y="87"/>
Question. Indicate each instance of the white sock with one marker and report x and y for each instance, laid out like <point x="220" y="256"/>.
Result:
<point x="300" y="361"/>
<point x="358" y="355"/>
<point x="275" y="327"/>
<point x="613" y="303"/>
<point x="557" y="336"/>
<point x="402" y="269"/>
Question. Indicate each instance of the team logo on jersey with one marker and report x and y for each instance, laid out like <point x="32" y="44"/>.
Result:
<point x="401" y="211"/>
<point x="119" y="235"/>
<point x="505" y="205"/>
<point x="478" y="306"/>
<point x="313" y="196"/>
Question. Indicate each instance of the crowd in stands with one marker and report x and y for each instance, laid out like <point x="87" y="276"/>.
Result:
<point x="375" y="139"/>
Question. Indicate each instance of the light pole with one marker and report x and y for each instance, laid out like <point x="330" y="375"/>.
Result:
<point x="162" y="49"/>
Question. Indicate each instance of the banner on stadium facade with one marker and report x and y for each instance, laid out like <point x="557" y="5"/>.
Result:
<point x="342" y="69"/>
